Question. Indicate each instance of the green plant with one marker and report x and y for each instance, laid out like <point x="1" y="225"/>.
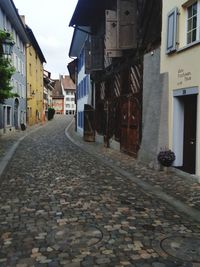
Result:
<point x="6" y="71"/>
<point x="166" y="157"/>
<point x="51" y="112"/>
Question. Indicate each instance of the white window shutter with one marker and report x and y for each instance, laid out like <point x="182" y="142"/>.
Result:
<point x="127" y="13"/>
<point x="172" y="22"/>
<point x="111" y="35"/>
<point x="111" y="41"/>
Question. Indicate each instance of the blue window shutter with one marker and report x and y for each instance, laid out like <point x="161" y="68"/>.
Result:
<point x="84" y="86"/>
<point x="80" y="89"/>
<point x="172" y="22"/>
<point x="87" y="85"/>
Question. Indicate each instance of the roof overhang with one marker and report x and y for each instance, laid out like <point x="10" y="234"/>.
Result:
<point x="78" y="40"/>
<point x="87" y="12"/>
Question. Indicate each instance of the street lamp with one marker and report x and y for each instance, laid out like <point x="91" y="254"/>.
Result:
<point x="7" y="46"/>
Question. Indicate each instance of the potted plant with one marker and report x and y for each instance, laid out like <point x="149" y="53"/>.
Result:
<point x="166" y="157"/>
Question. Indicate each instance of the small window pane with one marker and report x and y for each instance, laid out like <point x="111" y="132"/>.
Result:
<point x="194" y="9"/>
<point x="194" y="34"/>
<point x="189" y="12"/>
<point x="190" y="25"/>
<point x="194" y="22"/>
<point x="189" y="38"/>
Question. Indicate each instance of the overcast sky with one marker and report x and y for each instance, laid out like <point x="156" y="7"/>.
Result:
<point x="49" y="22"/>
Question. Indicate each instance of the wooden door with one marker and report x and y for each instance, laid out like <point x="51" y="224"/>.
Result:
<point x="190" y="126"/>
<point x="89" y="128"/>
<point x="130" y="125"/>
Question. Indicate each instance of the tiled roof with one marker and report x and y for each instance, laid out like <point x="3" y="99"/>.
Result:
<point x="67" y="83"/>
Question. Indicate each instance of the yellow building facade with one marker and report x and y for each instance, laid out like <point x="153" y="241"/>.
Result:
<point x="180" y="57"/>
<point x="35" y="84"/>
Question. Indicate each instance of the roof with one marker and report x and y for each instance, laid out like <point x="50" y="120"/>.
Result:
<point x="67" y="83"/>
<point x="57" y="92"/>
<point x="35" y="44"/>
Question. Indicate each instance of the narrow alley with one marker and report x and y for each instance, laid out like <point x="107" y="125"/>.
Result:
<point x="62" y="206"/>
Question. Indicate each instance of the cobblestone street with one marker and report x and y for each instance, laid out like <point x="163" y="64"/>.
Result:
<point x="63" y="206"/>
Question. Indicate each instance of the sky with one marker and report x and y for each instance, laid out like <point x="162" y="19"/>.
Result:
<point x="49" y="22"/>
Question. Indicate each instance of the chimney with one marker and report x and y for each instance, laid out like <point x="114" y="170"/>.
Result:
<point x="23" y="19"/>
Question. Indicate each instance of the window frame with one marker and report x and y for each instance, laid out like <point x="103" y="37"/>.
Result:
<point x="198" y="23"/>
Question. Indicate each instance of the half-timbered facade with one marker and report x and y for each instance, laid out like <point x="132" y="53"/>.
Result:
<point x="121" y="32"/>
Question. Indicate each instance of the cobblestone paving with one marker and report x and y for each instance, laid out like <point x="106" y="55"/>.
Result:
<point x="60" y="206"/>
<point x="186" y="189"/>
<point x="6" y="141"/>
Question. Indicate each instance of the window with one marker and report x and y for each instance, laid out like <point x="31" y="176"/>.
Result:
<point x="8" y="115"/>
<point x="172" y="30"/>
<point x="192" y="22"/>
<point x="80" y="119"/>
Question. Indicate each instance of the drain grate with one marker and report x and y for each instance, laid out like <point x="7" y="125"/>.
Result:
<point x="182" y="247"/>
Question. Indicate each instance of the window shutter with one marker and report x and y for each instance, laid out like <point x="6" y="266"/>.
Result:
<point x="172" y="21"/>
<point x="87" y="57"/>
<point x="97" y="53"/>
<point x="111" y="36"/>
<point x="127" y="13"/>
<point x="94" y="54"/>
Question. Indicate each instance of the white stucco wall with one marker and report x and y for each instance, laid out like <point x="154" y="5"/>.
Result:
<point x="182" y="67"/>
